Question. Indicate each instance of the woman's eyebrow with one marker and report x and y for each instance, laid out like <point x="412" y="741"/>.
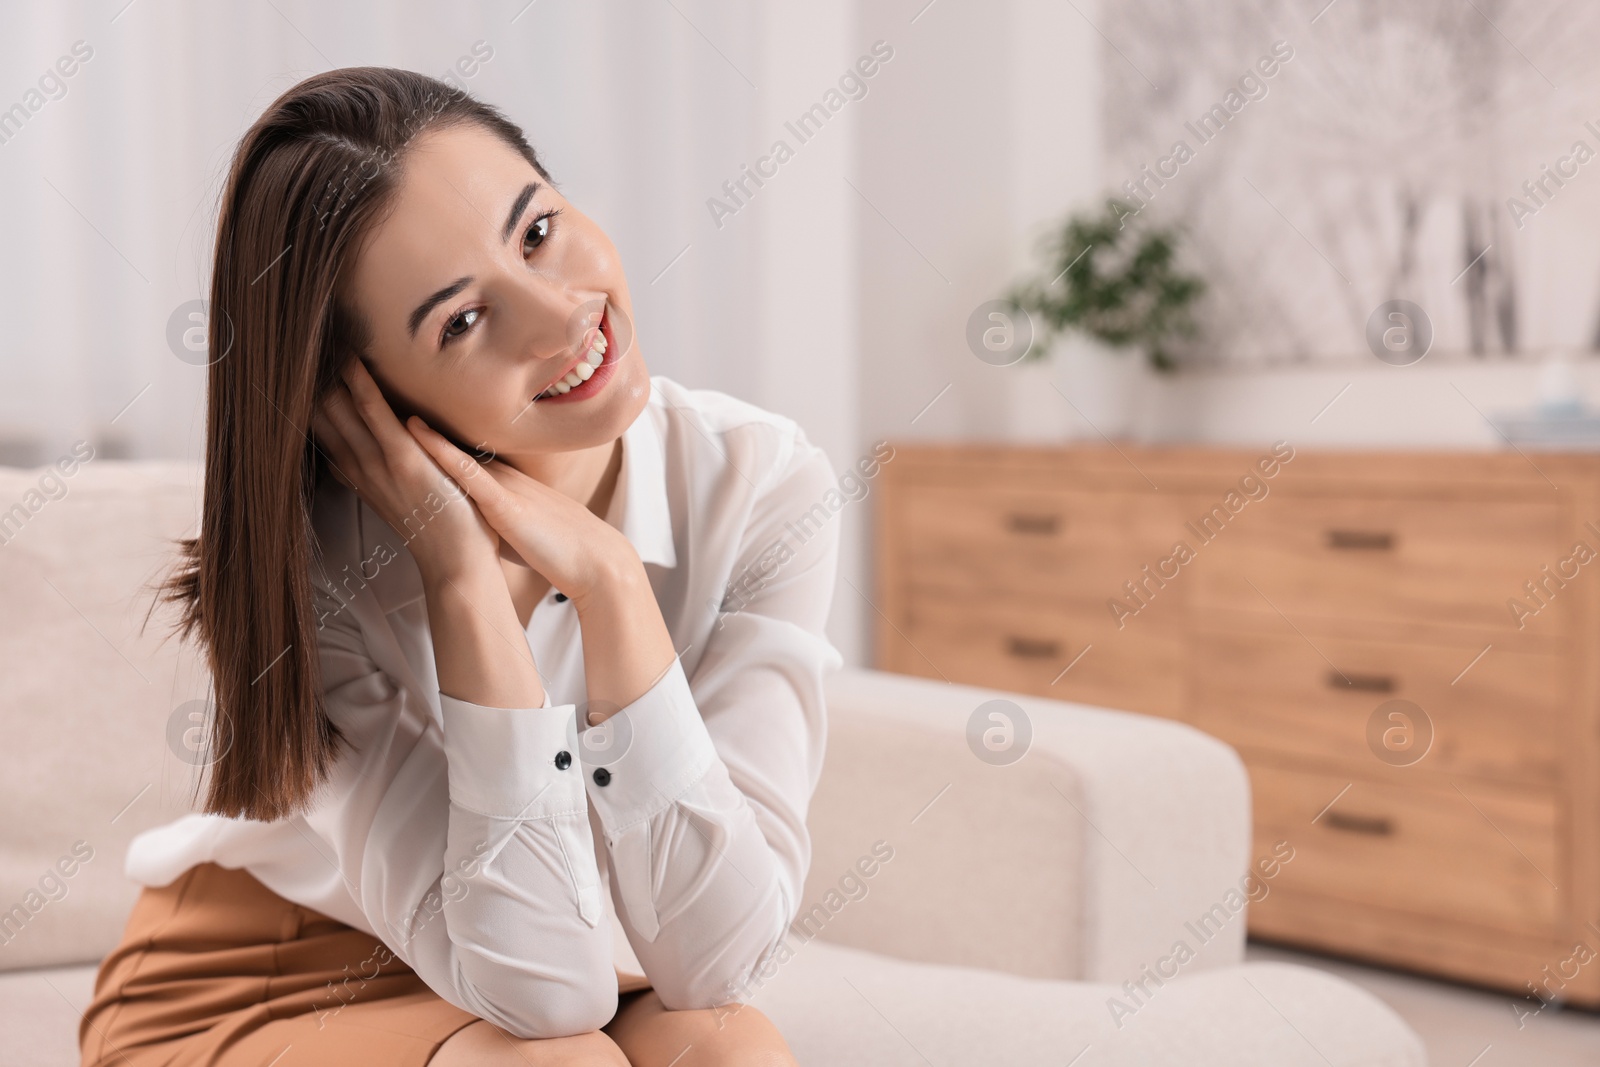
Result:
<point x="434" y="301"/>
<point x="518" y="206"/>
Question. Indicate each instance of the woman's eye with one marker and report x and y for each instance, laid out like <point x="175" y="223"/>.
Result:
<point x="465" y="319"/>
<point x="536" y="234"/>
<point x="537" y="231"/>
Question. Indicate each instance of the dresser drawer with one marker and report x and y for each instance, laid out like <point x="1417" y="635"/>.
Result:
<point x="1500" y="717"/>
<point x="1440" y="562"/>
<point x="1025" y="647"/>
<point x="1056" y="544"/>
<point x="1388" y="572"/>
<point x="1472" y="853"/>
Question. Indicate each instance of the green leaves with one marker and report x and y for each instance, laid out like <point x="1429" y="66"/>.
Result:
<point x="1116" y="282"/>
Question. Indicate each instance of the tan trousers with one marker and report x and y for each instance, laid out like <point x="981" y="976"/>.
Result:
<point x="217" y="970"/>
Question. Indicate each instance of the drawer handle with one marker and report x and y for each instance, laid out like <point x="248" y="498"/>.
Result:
<point x="1375" y="825"/>
<point x="1037" y="525"/>
<point x="1366" y="683"/>
<point x="1361" y="540"/>
<point x="1032" y="648"/>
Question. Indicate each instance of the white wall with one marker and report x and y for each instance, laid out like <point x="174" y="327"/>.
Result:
<point x="806" y="350"/>
<point x="984" y="130"/>
<point x="1444" y="405"/>
<point x="989" y="131"/>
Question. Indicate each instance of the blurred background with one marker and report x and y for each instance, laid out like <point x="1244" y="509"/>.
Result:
<point x="1380" y="160"/>
<point x="1364" y="229"/>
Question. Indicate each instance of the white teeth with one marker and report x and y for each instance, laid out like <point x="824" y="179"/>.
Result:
<point x="581" y="372"/>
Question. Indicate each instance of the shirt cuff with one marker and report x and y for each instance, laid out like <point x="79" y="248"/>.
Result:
<point x="513" y="763"/>
<point x="657" y="749"/>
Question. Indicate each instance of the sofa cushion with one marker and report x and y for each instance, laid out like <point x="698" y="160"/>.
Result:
<point x="88" y="699"/>
<point x="1111" y="840"/>
<point x="39" y="1013"/>
<point x="842" y="1007"/>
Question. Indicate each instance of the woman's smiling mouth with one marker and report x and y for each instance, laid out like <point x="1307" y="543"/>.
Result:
<point x="589" y="371"/>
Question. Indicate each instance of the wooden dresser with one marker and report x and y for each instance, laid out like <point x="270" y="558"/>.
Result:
<point x="1456" y="831"/>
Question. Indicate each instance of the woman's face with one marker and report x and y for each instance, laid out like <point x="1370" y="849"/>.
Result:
<point x="480" y="300"/>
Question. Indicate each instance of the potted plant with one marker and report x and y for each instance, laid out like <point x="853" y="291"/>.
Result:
<point x="1115" y="285"/>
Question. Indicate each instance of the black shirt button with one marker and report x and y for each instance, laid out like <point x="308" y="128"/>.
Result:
<point x="563" y="760"/>
<point x="601" y="776"/>
<point x="561" y="598"/>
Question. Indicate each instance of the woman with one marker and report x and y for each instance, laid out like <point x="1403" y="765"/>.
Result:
<point x="484" y="746"/>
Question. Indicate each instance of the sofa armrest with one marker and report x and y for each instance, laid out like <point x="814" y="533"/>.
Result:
<point x="1111" y="839"/>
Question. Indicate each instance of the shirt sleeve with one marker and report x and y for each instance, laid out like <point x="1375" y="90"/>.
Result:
<point x="701" y="786"/>
<point x="469" y="850"/>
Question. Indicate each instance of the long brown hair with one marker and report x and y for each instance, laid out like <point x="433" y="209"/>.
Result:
<point x="306" y="184"/>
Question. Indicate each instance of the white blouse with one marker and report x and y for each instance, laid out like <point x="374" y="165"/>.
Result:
<point x="468" y="838"/>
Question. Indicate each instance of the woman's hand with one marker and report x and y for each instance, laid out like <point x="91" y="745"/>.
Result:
<point x="372" y="453"/>
<point x="479" y="651"/>
<point x="575" y="550"/>
<point x="626" y="645"/>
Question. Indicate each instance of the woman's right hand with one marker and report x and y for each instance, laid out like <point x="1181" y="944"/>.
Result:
<point x="372" y="453"/>
<point x="472" y="620"/>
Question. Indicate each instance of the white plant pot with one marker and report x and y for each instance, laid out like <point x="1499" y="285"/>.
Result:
<point x="1035" y="410"/>
<point x="1107" y="388"/>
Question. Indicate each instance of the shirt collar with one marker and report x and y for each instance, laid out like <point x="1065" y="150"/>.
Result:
<point x="639" y="504"/>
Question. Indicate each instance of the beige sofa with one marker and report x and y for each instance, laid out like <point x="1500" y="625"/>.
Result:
<point x="1015" y="903"/>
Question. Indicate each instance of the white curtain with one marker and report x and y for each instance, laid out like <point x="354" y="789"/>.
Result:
<point x="641" y="108"/>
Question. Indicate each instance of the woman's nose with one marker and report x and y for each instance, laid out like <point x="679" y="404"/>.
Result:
<point x="547" y="320"/>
